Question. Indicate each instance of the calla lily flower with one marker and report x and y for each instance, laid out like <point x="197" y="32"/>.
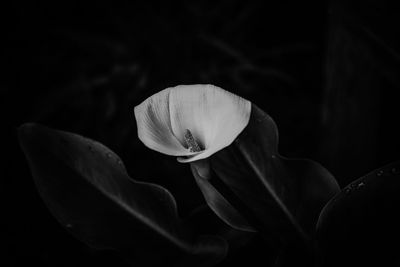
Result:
<point x="191" y="121"/>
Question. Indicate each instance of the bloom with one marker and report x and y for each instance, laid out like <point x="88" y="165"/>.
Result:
<point x="191" y="121"/>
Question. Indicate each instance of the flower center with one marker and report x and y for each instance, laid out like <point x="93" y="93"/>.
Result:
<point x="191" y="143"/>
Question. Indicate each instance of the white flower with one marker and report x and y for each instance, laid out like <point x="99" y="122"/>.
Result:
<point x="191" y="121"/>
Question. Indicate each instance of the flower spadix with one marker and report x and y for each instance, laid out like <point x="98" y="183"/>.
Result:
<point x="191" y="121"/>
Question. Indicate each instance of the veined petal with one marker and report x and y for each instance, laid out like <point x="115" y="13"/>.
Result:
<point x="214" y="116"/>
<point x="154" y="125"/>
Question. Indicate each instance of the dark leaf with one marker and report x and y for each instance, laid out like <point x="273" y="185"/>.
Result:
<point x="250" y="186"/>
<point x="361" y="226"/>
<point x="205" y="221"/>
<point x="86" y="187"/>
<point x="216" y="201"/>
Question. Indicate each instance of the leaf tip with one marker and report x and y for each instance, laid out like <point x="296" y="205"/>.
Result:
<point x="26" y="127"/>
<point x="25" y="130"/>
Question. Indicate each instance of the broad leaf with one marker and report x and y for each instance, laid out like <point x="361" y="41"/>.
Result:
<point x="86" y="187"/>
<point x="250" y="186"/>
<point x="216" y="200"/>
<point x="361" y="225"/>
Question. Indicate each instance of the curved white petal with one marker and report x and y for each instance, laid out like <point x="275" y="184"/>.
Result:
<point x="204" y="154"/>
<point x="154" y="125"/>
<point x="214" y="116"/>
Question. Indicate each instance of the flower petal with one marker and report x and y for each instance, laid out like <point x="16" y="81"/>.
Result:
<point x="214" y="116"/>
<point x="154" y="125"/>
<point x="204" y="154"/>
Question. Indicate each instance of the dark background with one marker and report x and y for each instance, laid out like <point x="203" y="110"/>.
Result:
<point x="327" y="73"/>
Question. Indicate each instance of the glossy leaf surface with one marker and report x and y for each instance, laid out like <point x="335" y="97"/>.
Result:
<point x="86" y="187"/>
<point x="361" y="226"/>
<point x="277" y="196"/>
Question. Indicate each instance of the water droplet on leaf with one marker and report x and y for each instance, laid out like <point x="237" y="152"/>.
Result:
<point x="90" y="148"/>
